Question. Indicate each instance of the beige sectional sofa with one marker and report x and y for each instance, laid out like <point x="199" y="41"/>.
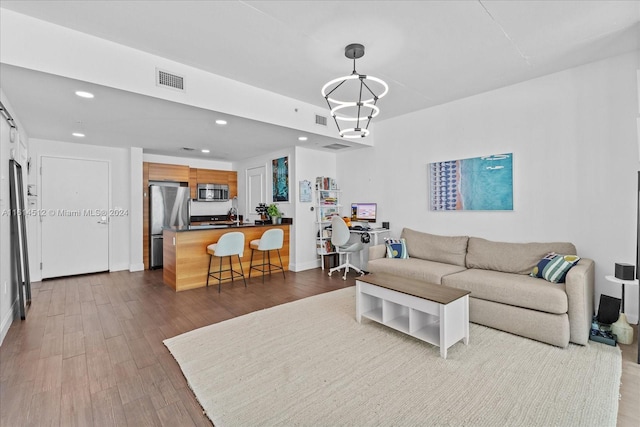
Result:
<point x="503" y="295"/>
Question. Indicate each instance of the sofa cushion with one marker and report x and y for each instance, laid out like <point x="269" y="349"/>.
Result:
<point x="414" y="268"/>
<point x="554" y="267"/>
<point x="517" y="258"/>
<point x="446" y="249"/>
<point x="513" y="289"/>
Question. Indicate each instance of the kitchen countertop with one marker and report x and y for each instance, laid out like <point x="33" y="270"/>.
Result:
<point x="216" y="226"/>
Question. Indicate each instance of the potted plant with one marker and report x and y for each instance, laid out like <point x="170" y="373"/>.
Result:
<point x="274" y="212"/>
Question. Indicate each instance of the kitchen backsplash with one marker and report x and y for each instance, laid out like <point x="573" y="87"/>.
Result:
<point x="210" y="208"/>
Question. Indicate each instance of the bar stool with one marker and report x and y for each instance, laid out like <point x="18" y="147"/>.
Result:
<point x="229" y="244"/>
<point x="270" y="240"/>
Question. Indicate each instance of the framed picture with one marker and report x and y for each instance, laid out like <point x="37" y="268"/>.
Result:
<point x="305" y="191"/>
<point x="476" y="184"/>
<point x="280" y="170"/>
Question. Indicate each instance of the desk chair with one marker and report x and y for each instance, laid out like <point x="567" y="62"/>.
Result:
<point x="228" y="245"/>
<point x="340" y="238"/>
<point x="271" y="240"/>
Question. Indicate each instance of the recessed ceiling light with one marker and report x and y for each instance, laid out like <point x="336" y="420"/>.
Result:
<point x="302" y="138"/>
<point x="84" y="94"/>
<point x="221" y="122"/>
<point x="205" y="151"/>
<point x="78" y="134"/>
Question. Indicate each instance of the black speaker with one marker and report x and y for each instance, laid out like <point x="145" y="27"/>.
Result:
<point x="608" y="310"/>
<point x="625" y="271"/>
<point x="385" y="224"/>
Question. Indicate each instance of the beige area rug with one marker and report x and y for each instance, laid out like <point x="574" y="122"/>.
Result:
<point x="309" y="363"/>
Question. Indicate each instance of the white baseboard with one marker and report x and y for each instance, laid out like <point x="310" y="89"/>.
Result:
<point x="136" y="267"/>
<point x="305" y="266"/>
<point x="118" y="267"/>
<point x="7" y="321"/>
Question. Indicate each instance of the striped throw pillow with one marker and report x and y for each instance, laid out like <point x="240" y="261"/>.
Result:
<point x="396" y="248"/>
<point x="554" y="267"/>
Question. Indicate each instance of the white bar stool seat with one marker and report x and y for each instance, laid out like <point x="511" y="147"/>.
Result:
<point x="271" y="240"/>
<point x="229" y="244"/>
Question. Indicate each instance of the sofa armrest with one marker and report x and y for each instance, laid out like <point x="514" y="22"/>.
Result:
<point x="377" y="252"/>
<point x="579" y="287"/>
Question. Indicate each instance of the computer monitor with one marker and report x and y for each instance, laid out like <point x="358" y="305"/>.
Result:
<point x="363" y="212"/>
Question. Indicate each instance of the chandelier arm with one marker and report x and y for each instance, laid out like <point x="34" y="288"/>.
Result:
<point x="359" y="104"/>
<point x="375" y="97"/>
<point x="371" y="115"/>
<point x="337" y="125"/>
<point x="327" y="95"/>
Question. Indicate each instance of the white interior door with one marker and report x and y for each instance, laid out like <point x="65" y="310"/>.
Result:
<point x="256" y="178"/>
<point x="75" y="216"/>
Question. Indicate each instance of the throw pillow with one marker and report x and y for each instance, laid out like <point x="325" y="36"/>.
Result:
<point x="554" y="267"/>
<point x="396" y="248"/>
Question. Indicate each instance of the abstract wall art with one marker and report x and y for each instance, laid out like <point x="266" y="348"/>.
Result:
<point x="476" y="184"/>
<point x="280" y="170"/>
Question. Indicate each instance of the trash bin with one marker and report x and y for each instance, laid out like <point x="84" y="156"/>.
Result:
<point x="330" y="261"/>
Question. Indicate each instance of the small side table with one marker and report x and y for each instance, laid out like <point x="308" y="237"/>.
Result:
<point x="621" y="327"/>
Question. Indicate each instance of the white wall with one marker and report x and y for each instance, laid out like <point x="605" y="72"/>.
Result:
<point x="309" y="165"/>
<point x="194" y="163"/>
<point x="575" y="152"/>
<point x="8" y="294"/>
<point x="120" y="197"/>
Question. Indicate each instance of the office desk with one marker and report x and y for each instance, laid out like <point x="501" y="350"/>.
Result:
<point x="373" y="232"/>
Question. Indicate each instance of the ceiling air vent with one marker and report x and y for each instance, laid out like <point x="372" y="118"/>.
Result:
<point x="321" y="120"/>
<point x="336" y="146"/>
<point x="172" y="81"/>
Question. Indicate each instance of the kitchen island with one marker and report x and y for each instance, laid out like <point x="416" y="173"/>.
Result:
<point x="185" y="257"/>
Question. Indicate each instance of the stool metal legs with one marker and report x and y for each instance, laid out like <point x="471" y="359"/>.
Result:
<point x="233" y="272"/>
<point x="266" y="265"/>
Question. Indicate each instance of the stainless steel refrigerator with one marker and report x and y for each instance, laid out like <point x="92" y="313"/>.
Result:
<point x="169" y="206"/>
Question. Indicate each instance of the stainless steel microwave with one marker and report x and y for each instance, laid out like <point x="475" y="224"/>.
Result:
<point x="213" y="192"/>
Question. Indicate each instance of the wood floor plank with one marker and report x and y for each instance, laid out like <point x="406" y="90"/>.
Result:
<point x="73" y="344"/>
<point x="48" y="374"/>
<point x="118" y="349"/>
<point x="141" y="413"/>
<point x="74" y="373"/>
<point x="44" y="409"/>
<point x="107" y="408"/>
<point x="15" y="400"/>
<point x="91" y="351"/>
<point x="76" y="408"/>
<point x="175" y="415"/>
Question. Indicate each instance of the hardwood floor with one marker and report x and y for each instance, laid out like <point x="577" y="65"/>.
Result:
<point x="91" y="351"/>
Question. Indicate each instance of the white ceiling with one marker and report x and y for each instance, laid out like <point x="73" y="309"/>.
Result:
<point x="429" y="52"/>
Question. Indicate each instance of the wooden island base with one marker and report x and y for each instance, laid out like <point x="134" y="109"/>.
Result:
<point x="186" y="261"/>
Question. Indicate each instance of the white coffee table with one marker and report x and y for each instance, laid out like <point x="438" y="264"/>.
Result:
<point x="436" y="314"/>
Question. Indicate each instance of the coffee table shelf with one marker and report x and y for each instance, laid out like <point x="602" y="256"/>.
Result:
<point x="432" y="313"/>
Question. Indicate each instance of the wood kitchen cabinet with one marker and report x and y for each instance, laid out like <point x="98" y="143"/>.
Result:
<point x="166" y="172"/>
<point x="193" y="183"/>
<point x="213" y="176"/>
<point x="233" y="183"/>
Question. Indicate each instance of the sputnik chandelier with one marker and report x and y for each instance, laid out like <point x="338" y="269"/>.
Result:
<point x="351" y="90"/>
